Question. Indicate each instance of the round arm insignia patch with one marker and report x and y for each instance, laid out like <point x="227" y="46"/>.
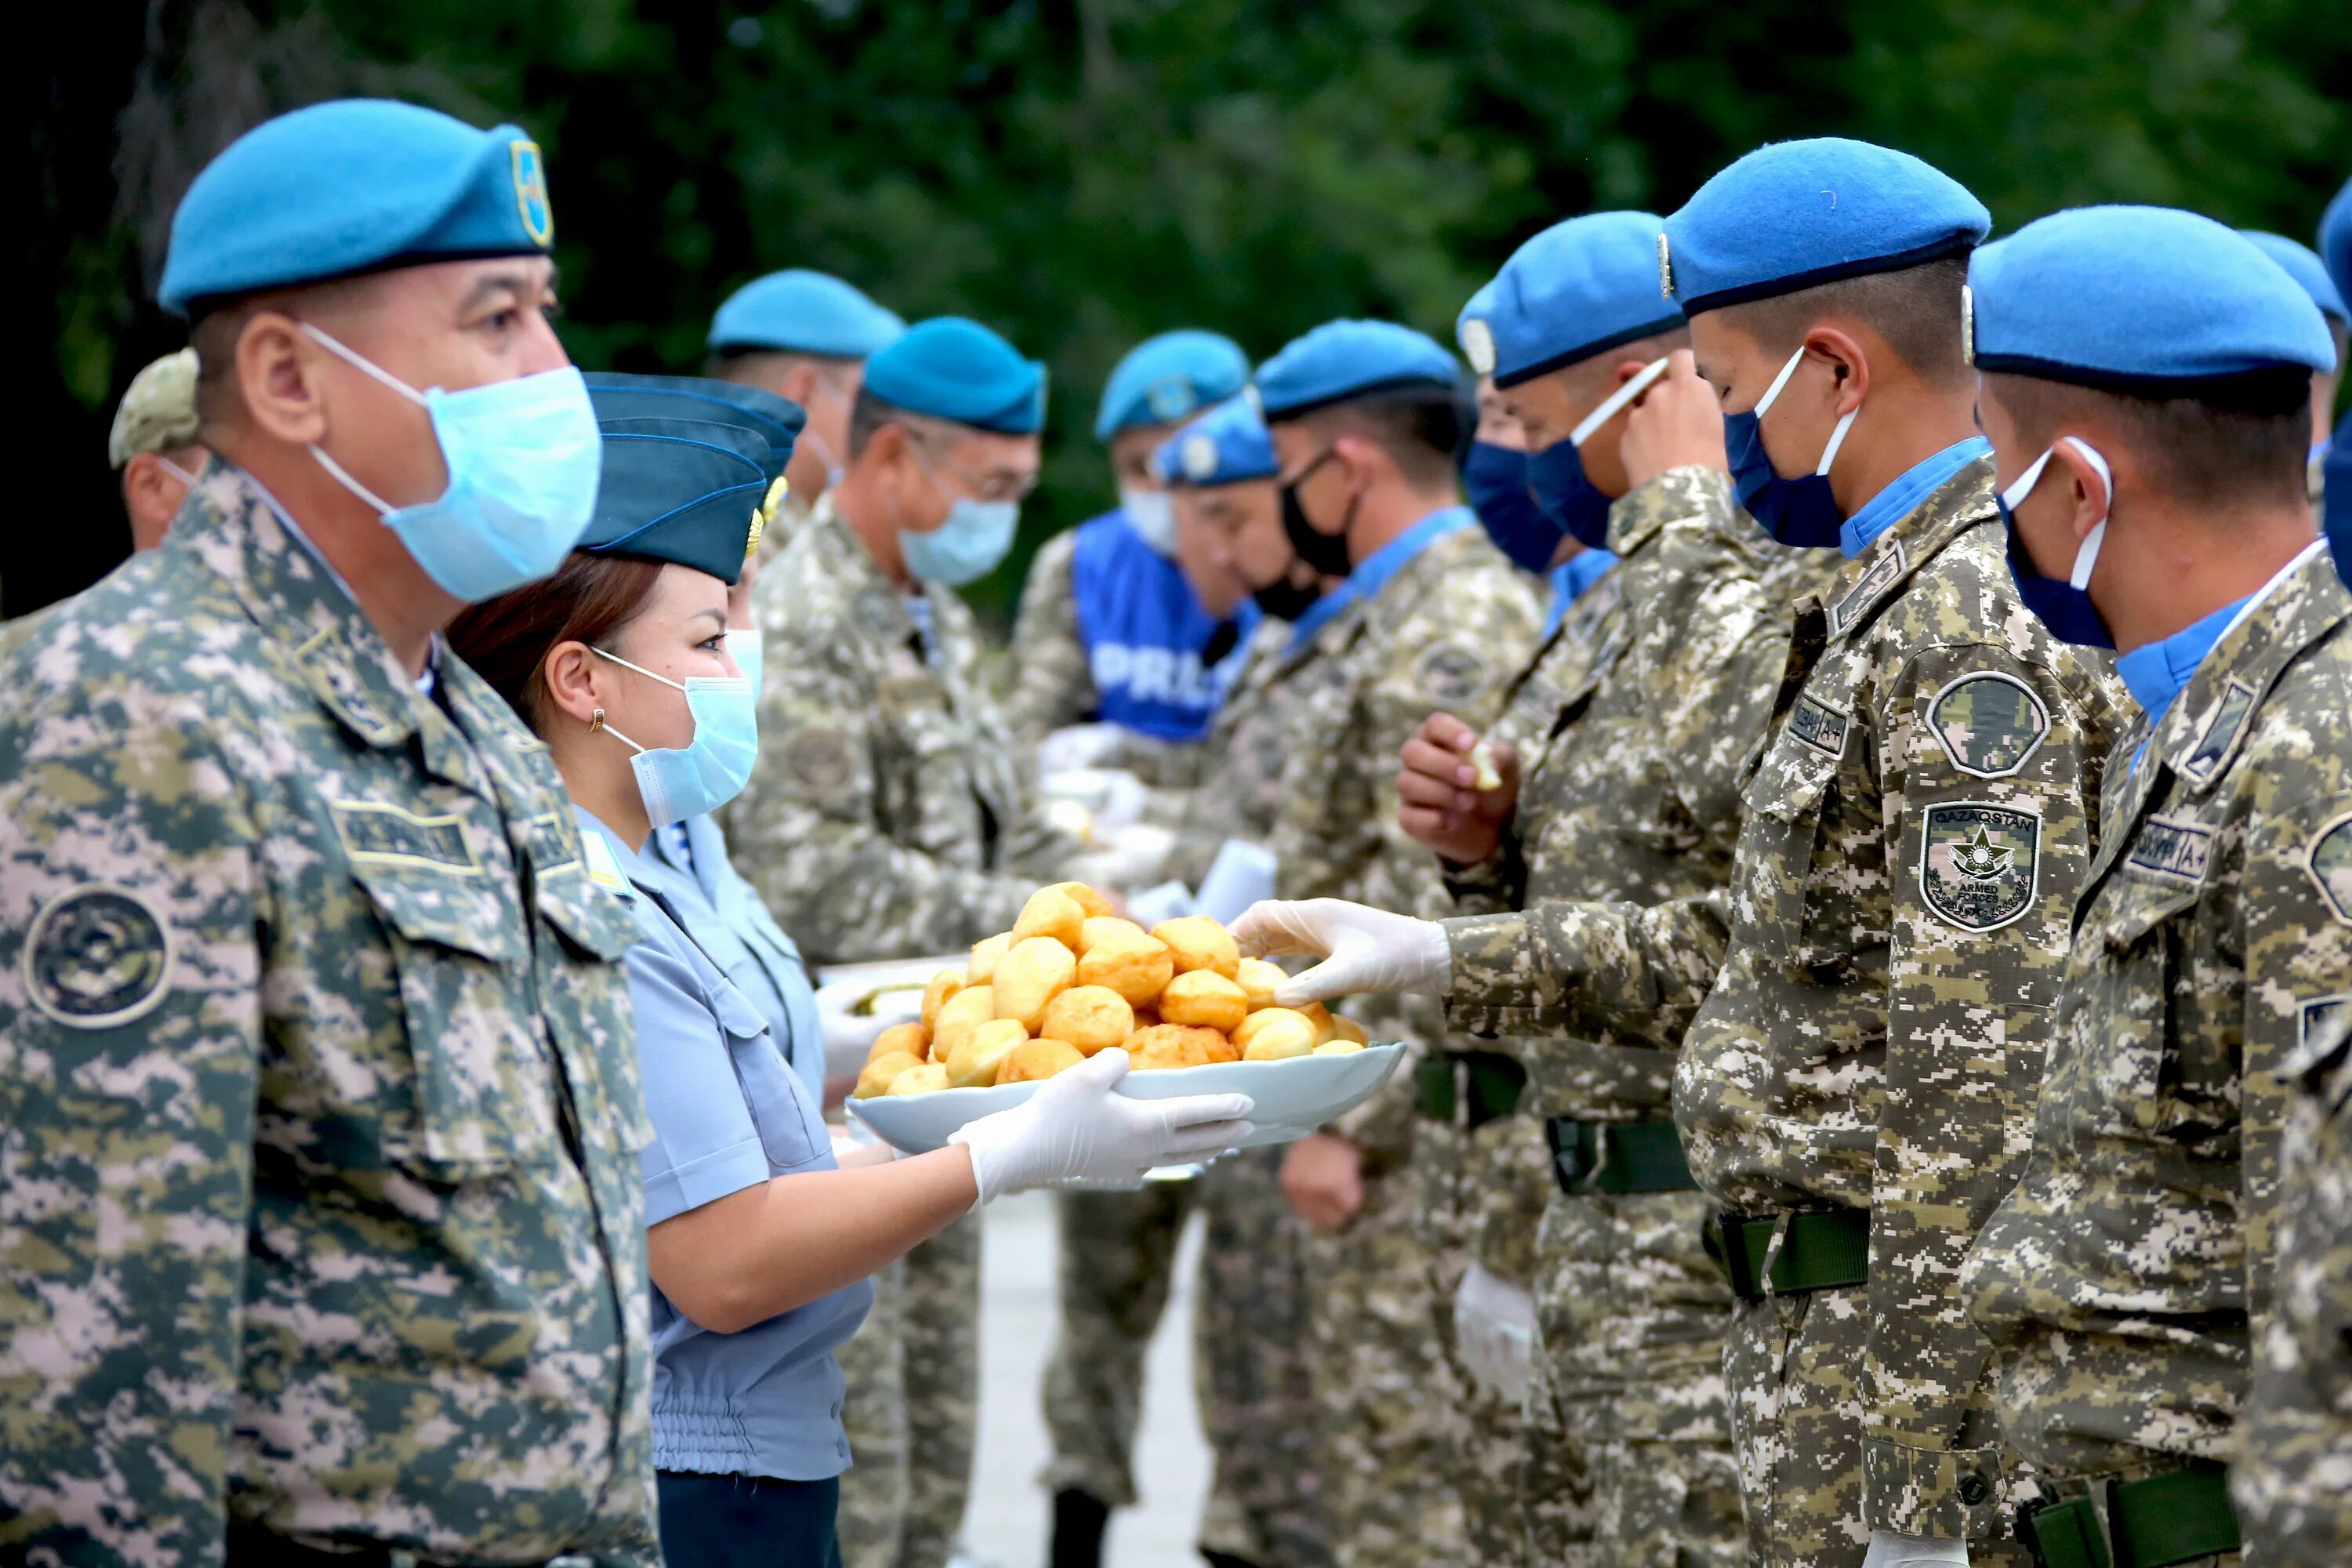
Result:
<point x="1453" y="672"/>
<point x="96" y="957"/>
<point x="2330" y="864"/>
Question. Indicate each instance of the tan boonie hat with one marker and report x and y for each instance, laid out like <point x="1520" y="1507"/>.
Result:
<point x="157" y="413"/>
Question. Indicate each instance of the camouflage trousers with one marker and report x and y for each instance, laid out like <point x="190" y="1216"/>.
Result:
<point x="1250" y="1366"/>
<point x="1630" y="1458"/>
<point x="1793" y="1367"/>
<point x="1477" y="1197"/>
<point x="1387" y="1444"/>
<point x="903" y="1509"/>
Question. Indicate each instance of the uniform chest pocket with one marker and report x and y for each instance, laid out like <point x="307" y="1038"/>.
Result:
<point x="586" y="1000"/>
<point x="481" y="1084"/>
<point x="2129" y="971"/>
<point x="1780" y="898"/>
<point x="791" y="1128"/>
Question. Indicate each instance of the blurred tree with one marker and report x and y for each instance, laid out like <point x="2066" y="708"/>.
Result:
<point x="1082" y="173"/>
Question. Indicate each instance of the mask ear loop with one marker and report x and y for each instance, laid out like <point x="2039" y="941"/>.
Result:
<point x="1616" y="401"/>
<point x="176" y="471"/>
<point x="2087" y="557"/>
<point x="1772" y="393"/>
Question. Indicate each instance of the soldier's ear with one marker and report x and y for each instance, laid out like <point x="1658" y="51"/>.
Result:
<point x="278" y="379"/>
<point x="1849" y="364"/>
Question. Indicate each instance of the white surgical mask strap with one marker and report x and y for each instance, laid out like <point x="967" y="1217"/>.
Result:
<point x="344" y="475"/>
<point x="2087" y="556"/>
<point x="1617" y="400"/>
<point x="2022" y="486"/>
<point x="357" y="363"/>
<point x="1772" y="393"/>
<point x="1837" y="439"/>
<point x="174" y="469"/>
<point x="641" y="670"/>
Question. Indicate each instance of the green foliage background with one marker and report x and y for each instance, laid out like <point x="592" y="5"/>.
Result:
<point x="1081" y="175"/>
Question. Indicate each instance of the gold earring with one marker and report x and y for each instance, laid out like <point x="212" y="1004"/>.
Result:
<point x="595" y="719"/>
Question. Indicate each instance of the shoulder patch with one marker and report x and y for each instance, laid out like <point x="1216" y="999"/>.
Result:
<point x="375" y="833"/>
<point x="1453" y="671"/>
<point x="819" y="759"/>
<point x="96" y="957"/>
<point x="2213" y="744"/>
<point x="1989" y="723"/>
<point x="1819" y="725"/>
<point x="2318" y="1034"/>
<point x="604" y="867"/>
<point x="1980" y="864"/>
<point x="2330" y="862"/>
<point x="2172" y="850"/>
<point x="1856" y="600"/>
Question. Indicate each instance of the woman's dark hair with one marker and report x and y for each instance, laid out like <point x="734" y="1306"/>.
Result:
<point x="507" y="640"/>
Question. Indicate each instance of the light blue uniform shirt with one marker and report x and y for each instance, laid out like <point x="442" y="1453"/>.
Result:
<point x="1571" y="578"/>
<point x="2155" y="673"/>
<point x="728" y="1114"/>
<point x="706" y="896"/>
<point x="1883" y="510"/>
<point x="1372" y="574"/>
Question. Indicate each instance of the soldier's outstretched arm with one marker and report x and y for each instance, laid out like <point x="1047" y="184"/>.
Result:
<point x="129" y="1052"/>
<point x="1053" y="683"/>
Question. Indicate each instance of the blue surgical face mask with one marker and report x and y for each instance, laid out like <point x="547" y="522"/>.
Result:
<point x="523" y="456"/>
<point x="1800" y="512"/>
<point x="746" y="647"/>
<point x="1153" y="513"/>
<point x="2065" y="607"/>
<point x="2336" y="516"/>
<point x="1575" y="504"/>
<point x="1496" y="478"/>
<point x="976" y="536"/>
<point x="679" y="782"/>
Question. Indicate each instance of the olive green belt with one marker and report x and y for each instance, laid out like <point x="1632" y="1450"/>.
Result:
<point x="1617" y="1156"/>
<point x="2176" y="1517"/>
<point x="1480" y="1086"/>
<point x="1823" y="1249"/>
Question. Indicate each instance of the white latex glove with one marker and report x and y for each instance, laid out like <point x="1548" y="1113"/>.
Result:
<point x="1364" y="950"/>
<point x="1495" y="1324"/>
<point x="1076" y="1127"/>
<point x="1893" y="1548"/>
<point x="1080" y="746"/>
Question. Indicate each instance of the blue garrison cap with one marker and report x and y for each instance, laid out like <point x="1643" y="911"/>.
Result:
<point x="360" y="184"/>
<point x="1794" y="213"/>
<point x="1577" y="290"/>
<point x="695" y="491"/>
<point x="1223" y="447"/>
<point x="1170" y="377"/>
<point x="1340" y="361"/>
<point x="2336" y="241"/>
<point x="800" y="311"/>
<point x="953" y="369"/>
<point x="2143" y="299"/>
<point x="2302" y="265"/>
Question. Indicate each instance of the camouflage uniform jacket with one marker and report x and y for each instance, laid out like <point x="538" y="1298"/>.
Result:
<point x="2126" y="1272"/>
<point x="888" y="816"/>
<point x="318" y="1103"/>
<point x="2293" y="1476"/>
<point x="1445" y="632"/>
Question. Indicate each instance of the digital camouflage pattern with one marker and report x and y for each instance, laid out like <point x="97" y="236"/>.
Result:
<point x="1053" y="679"/>
<point x="870" y="1523"/>
<point x="1445" y="632"/>
<point x="2292" y="1480"/>
<point x="889" y="817"/>
<point x="1116" y="1262"/>
<point x="158" y="411"/>
<point x="2214" y="933"/>
<point x="322" y="1216"/>
<point x="1633" y="728"/>
<point x="940" y="1328"/>
<point x="1249" y="745"/>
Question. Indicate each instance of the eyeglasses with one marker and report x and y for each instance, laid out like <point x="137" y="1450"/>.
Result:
<point x="997" y="486"/>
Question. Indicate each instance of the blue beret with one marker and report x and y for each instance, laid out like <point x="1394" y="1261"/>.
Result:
<point x="2335" y="239"/>
<point x="1223" y="447"/>
<point x="775" y="420"/>
<point x="2142" y="300"/>
<point x="1795" y="213"/>
<point x="1577" y="290"/>
<point x="357" y="185"/>
<point x="2302" y="265"/>
<point x="689" y="491"/>
<point x="797" y="310"/>
<point x="1342" y="361"/>
<point x="957" y="370"/>
<point x="1168" y="378"/>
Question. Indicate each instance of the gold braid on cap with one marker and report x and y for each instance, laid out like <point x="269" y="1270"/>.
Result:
<point x="765" y="513"/>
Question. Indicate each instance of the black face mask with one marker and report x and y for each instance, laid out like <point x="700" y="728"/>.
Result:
<point x="1222" y="642"/>
<point x="1285" y="600"/>
<point x="1326" y="553"/>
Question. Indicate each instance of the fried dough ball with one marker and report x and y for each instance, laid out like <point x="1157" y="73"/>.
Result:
<point x="1037" y="970"/>
<point x="1138" y="968"/>
<point x="985" y="956"/>
<point x="1035" y="1059"/>
<point x="1338" y="1048"/>
<point x="1259" y="980"/>
<point x="1091" y="902"/>
<point x="1050" y="912"/>
<point x="1347" y="1029"/>
<point x="1223" y="1051"/>
<point x="927" y="1078"/>
<point x="1320" y="1016"/>
<point x="1091" y="1017"/>
<point x="912" y="1038"/>
<point x="1166" y="1046"/>
<point x="944" y="985"/>
<point x="880" y="1072"/>
<point x="1145" y="1017"/>
<point x="1199" y="943"/>
<point x="973" y="1062"/>
<point x="1100" y="928"/>
<point x="965" y="1011"/>
<point x="1276" y="1034"/>
<point x="1205" y="998"/>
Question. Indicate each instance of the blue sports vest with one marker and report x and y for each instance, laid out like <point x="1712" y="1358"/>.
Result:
<point x="1144" y="632"/>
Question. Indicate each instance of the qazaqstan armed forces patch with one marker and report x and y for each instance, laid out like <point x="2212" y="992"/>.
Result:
<point x="1980" y="864"/>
